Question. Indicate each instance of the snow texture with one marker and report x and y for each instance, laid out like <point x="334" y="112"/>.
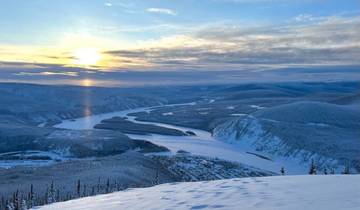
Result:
<point x="331" y="192"/>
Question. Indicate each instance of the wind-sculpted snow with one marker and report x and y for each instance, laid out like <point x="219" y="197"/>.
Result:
<point x="263" y="193"/>
<point x="327" y="133"/>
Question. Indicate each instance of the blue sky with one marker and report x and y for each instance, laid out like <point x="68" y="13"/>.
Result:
<point x="42" y="21"/>
<point x="176" y="35"/>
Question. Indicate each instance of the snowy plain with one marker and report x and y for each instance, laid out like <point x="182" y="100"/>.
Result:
<point x="310" y="192"/>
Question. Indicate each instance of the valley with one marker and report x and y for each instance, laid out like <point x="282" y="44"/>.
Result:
<point x="186" y="133"/>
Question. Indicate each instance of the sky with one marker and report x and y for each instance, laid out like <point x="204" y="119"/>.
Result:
<point x="150" y="42"/>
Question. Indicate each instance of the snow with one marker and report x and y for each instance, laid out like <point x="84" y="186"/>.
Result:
<point x="7" y="164"/>
<point x="203" y="144"/>
<point x="41" y="125"/>
<point x="26" y="160"/>
<point x="316" y="192"/>
<point x="298" y="133"/>
<point x="203" y="109"/>
<point x="203" y="113"/>
<point x="318" y="124"/>
<point x="88" y="122"/>
<point x="238" y="114"/>
<point x="257" y="107"/>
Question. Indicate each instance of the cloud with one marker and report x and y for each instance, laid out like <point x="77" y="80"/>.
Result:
<point x="161" y="11"/>
<point x="303" y="41"/>
<point x="326" y="41"/>
<point x="48" y="73"/>
<point x="304" y="17"/>
<point x="108" y="4"/>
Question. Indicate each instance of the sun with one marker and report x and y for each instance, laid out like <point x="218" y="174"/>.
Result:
<point x="86" y="56"/>
<point x="87" y="82"/>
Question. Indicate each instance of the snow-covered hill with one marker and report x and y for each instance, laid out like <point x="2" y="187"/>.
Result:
<point x="301" y="131"/>
<point x="267" y="193"/>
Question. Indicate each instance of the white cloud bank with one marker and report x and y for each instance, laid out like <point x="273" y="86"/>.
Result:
<point x="161" y="11"/>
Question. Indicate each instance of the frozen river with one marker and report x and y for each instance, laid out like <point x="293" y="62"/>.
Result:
<point x="202" y="144"/>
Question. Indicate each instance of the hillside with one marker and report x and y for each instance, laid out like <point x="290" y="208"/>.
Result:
<point x="327" y="133"/>
<point x="281" y="193"/>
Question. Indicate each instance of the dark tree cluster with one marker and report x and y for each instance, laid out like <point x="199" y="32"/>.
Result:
<point x="25" y="200"/>
<point x="313" y="169"/>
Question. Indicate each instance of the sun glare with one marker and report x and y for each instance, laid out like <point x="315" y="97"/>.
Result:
<point x="86" y="56"/>
<point x="87" y="82"/>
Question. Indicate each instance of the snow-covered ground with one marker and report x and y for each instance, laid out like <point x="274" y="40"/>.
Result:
<point x="299" y="132"/>
<point x="30" y="158"/>
<point x="203" y="143"/>
<point x="257" y="107"/>
<point x="331" y="192"/>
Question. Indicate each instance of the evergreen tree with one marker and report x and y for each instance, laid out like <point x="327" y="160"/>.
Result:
<point x="16" y="201"/>
<point x="2" y="203"/>
<point x="108" y="185"/>
<point x="332" y="171"/>
<point x="325" y="171"/>
<point x="156" y="179"/>
<point x="24" y="206"/>
<point x="46" y="196"/>
<point x="346" y="170"/>
<point x="312" y="170"/>
<point x="10" y="206"/>
<point x="84" y="191"/>
<point x="98" y="186"/>
<point x="31" y="196"/>
<point x="78" y="188"/>
<point x="282" y="171"/>
<point x="58" y="195"/>
<point x="92" y="190"/>
<point x="51" y="194"/>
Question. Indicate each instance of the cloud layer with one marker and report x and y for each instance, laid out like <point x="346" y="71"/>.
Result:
<point x="137" y="43"/>
<point x="304" y="41"/>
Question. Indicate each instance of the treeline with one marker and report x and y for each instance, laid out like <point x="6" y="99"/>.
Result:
<point x="31" y="198"/>
<point x="313" y="169"/>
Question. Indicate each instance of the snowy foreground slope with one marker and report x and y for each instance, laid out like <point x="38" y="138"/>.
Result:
<point x="270" y="193"/>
